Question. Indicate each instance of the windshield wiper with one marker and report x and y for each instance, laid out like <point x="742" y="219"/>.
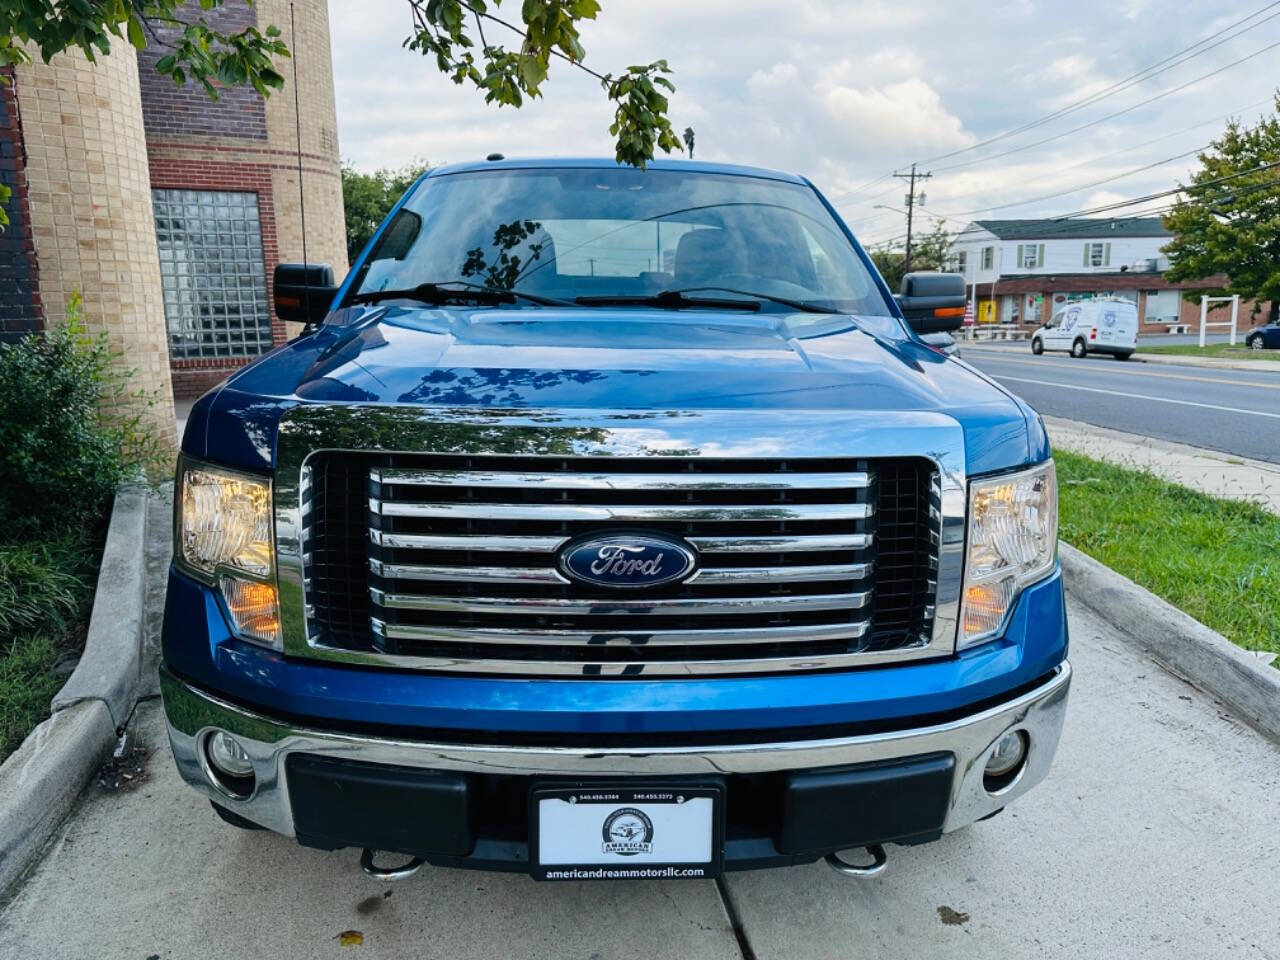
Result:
<point x="667" y="300"/>
<point x="802" y="305"/>
<point x="676" y="299"/>
<point x="456" y="291"/>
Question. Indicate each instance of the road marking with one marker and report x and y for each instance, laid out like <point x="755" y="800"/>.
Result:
<point x="1140" y="396"/>
<point x="992" y="354"/>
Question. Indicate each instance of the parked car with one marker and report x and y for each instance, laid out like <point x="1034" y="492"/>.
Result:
<point x="1101" y="325"/>
<point x="613" y="523"/>
<point x="1265" y="337"/>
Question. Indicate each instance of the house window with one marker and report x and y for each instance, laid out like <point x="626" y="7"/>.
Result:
<point x="988" y="257"/>
<point x="960" y="262"/>
<point x="1030" y="256"/>
<point x="1097" y="254"/>
<point x="212" y="273"/>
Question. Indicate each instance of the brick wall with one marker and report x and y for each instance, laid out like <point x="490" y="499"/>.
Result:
<point x="19" y="295"/>
<point x="193" y="144"/>
<point x="89" y="197"/>
<point x="172" y="111"/>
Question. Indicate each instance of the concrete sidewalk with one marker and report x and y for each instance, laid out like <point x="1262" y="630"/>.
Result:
<point x="1153" y="837"/>
<point x="1213" y="363"/>
<point x="1218" y="474"/>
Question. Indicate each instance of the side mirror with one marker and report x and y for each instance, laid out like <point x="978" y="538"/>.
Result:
<point x="303" y="291"/>
<point x="933" y="302"/>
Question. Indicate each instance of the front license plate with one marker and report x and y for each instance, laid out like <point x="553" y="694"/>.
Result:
<point x="613" y="833"/>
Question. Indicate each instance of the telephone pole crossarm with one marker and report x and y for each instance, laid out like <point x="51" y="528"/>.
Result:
<point x="910" y="199"/>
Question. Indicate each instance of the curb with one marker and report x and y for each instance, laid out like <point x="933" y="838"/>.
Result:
<point x="1243" y="683"/>
<point x="41" y="781"/>
<point x="111" y="664"/>
<point x="1208" y="363"/>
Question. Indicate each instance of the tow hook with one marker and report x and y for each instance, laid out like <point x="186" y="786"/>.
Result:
<point x="405" y="870"/>
<point x="873" y="869"/>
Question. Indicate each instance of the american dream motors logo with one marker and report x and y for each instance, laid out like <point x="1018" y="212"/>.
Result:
<point x="627" y="832"/>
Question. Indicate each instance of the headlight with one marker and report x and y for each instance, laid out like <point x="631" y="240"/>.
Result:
<point x="1013" y="539"/>
<point x="224" y="539"/>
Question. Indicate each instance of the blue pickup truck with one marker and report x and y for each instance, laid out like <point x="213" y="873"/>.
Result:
<point x="613" y="523"/>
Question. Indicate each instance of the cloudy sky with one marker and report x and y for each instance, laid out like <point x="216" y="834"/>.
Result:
<point x="847" y="91"/>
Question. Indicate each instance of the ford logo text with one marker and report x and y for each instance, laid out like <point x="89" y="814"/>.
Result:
<point x="627" y="561"/>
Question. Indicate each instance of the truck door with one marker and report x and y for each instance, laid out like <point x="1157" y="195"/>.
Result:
<point x="1066" y="331"/>
<point x="1106" y="322"/>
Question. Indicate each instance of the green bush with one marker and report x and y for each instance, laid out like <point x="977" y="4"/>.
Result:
<point x="70" y="431"/>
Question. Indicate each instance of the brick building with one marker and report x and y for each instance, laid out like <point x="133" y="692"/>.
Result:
<point x="165" y="210"/>
<point x="1022" y="271"/>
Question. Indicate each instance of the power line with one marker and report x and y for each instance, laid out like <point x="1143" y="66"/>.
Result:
<point x="1147" y="73"/>
<point x="1079" y="187"/>
<point x="1130" y="81"/>
<point x="1151" y="197"/>
<point x="1089" y="162"/>
<point x="1169" y="193"/>
<point x="1112" y="116"/>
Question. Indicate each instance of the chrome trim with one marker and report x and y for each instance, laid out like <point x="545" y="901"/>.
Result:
<point x="544" y="544"/>
<point x="594" y="669"/>
<point x="834" y="541"/>
<point x="835" y="571"/>
<point x="662" y="435"/>
<point x="638" y="513"/>
<point x="192" y="713"/>
<point x="413" y="571"/>
<point x="780" y="574"/>
<point x="551" y="606"/>
<point x="506" y="544"/>
<point x="622" y="481"/>
<point x="526" y="637"/>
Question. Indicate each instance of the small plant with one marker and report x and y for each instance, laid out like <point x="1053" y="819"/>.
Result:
<point x="41" y="585"/>
<point x="71" y="429"/>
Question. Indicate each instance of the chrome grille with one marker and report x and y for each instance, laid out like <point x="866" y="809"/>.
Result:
<point x="803" y="564"/>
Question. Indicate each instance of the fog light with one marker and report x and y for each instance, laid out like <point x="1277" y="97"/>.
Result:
<point x="228" y="765"/>
<point x="228" y="756"/>
<point x="1005" y="761"/>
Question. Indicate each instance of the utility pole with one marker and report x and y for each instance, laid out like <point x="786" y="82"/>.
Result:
<point x="911" y="202"/>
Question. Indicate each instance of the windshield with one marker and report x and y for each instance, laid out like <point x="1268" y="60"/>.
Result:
<point x="568" y="234"/>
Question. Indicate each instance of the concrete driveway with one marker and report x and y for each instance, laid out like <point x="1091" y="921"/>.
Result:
<point x="1156" y="836"/>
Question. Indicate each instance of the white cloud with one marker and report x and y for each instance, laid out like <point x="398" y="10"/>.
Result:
<point x="908" y="116"/>
<point x="843" y="91"/>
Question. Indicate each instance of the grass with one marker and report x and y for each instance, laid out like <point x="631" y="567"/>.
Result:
<point x="1222" y="351"/>
<point x="1217" y="560"/>
<point x="46" y="590"/>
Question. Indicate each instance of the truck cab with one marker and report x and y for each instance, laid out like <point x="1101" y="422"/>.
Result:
<point x="609" y="522"/>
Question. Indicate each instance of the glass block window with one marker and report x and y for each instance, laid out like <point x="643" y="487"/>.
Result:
<point x="212" y="273"/>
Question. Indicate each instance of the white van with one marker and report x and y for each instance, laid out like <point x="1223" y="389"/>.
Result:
<point x="1103" y="325"/>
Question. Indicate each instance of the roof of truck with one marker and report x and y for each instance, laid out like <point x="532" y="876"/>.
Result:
<point x="534" y="163"/>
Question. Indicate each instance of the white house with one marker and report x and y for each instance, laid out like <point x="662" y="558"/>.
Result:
<point x="1019" y="270"/>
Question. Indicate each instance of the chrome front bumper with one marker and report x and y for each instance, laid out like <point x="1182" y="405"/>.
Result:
<point x="193" y="715"/>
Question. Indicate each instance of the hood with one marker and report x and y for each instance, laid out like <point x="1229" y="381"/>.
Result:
<point x="623" y="359"/>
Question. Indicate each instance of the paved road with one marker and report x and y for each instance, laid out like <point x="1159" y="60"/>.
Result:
<point x="1234" y="411"/>
<point x="1155" y="836"/>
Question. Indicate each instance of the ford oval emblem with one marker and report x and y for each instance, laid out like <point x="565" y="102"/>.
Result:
<point x="627" y="561"/>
